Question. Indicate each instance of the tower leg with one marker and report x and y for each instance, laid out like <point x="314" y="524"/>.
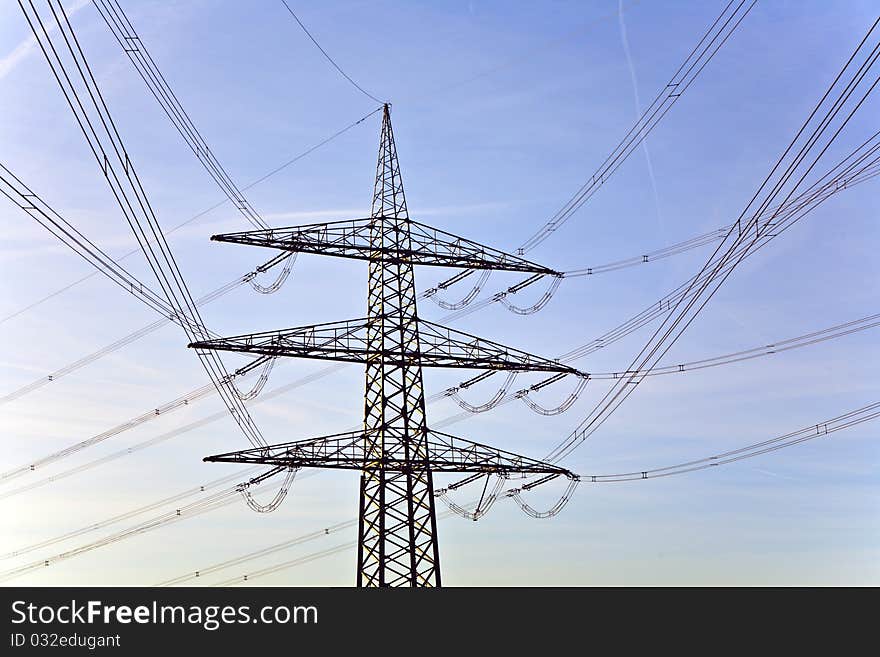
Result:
<point x="397" y="542"/>
<point x="397" y="545"/>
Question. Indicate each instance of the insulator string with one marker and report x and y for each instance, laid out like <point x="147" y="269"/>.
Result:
<point x="259" y="384"/>
<point x="802" y="155"/>
<point x="128" y="254"/>
<point x="466" y="299"/>
<point x="273" y="287"/>
<point x="483" y="504"/>
<point x="535" y="307"/>
<point x="276" y="501"/>
<point x="229" y="495"/>
<point x="491" y="403"/>
<point x="524" y="396"/>
<point x="516" y="495"/>
<point x="710" y="43"/>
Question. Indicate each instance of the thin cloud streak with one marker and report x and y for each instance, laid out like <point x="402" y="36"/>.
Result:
<point x="632" y="74"/>
<point x="18" y="54"/>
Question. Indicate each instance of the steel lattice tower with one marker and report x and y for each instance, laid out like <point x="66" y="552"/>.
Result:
<point x="397" y="523"/>
<point x="396" y="453"/>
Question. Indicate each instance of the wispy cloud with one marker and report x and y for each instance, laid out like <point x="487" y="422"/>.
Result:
<point x="770" y="473"/>
<point x="442" y="210"/>
<point x="24" y="49"/>
<point x="308" y="215"/>
<point x="234" y="223"/>
<point x="635" y="84"/>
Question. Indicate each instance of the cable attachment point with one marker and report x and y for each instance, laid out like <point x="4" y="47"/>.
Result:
<point x="516" y="495"/>
<point x="276" y="501"/>
<point x="288" y="259"/>
<point x="485" y="502"/>
<point x="466" y="299"/>
<point x="567" y="403"/>
<point x="539" y="304"/>
<point x="260" y="382"/>
<point x="493" y="401"/>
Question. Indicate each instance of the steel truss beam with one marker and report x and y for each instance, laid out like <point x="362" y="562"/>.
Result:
<point x="348" y="341"/>
<point x="346" y="451"/>
<point x="395" y="452"/>
<point x="351" y="239"/>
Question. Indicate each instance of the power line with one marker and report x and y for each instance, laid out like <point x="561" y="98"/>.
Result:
<point x="126" y="340"/>
<point x="272" y="549"/>
<point x="859" y="166"/>
<point x="20" y="194"/>
<point x="249" y="277"/>
<point x="811" y="432"/>
<point x="821" y="429"/>
<point x="651" y="256"/>
<point x="57" y="374"/>
<point x="442" y="285"/>
<point x="328" y="57"/>
<point x="226" y="496"/>
<point x="31" y="203"/>
<point x="299" y="561"/>
<point x="216" y="367"/>
<point x="211" y="502"/>
<point x="103" y="139"/>
<point x="711" y="42"/>
<point x="157" y="85"/>
<point x="395" y="451"/>
<point x="721" y="267"/>
<point x="25" y="198"/>
<point x="177" y="497"/>
<point x="161" y="410"/>
<point x="781" y="346"/>
<point x="136" y="51"/>
<point x="794" y="164"/>
<point x="198" y="215"/>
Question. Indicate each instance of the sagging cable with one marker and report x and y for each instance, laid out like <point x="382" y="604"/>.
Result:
<point x="258" y="385"/>
<point x="538" y="305"/>
<point x="276" y="501"/>
<point x="516" y="495"/>
<point x="466" y="299"/>
<point x="567" y="403"/>
<point x="485" y="503"/>
<point x="489" y="405"/>
<point x="288" y="260"/>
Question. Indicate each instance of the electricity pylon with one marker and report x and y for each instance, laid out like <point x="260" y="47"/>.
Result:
<point x="395" y="452"/>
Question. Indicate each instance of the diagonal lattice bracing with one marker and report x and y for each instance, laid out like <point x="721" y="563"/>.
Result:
<point x="348" y="341"/>
<point x="345" y="451"/>
<point x="351" y="239"/>
<point x="395" y="452"/>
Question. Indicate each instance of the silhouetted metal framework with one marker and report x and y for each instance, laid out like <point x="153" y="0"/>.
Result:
<point x="396" y="453"/>
<point x="350" y="341"/>
<point x="354" y="239"/>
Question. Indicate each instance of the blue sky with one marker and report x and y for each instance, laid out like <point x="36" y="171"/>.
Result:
<point x="501" y="111"/>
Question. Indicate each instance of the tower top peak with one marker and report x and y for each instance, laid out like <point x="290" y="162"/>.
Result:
<point x="388" y="197"/>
